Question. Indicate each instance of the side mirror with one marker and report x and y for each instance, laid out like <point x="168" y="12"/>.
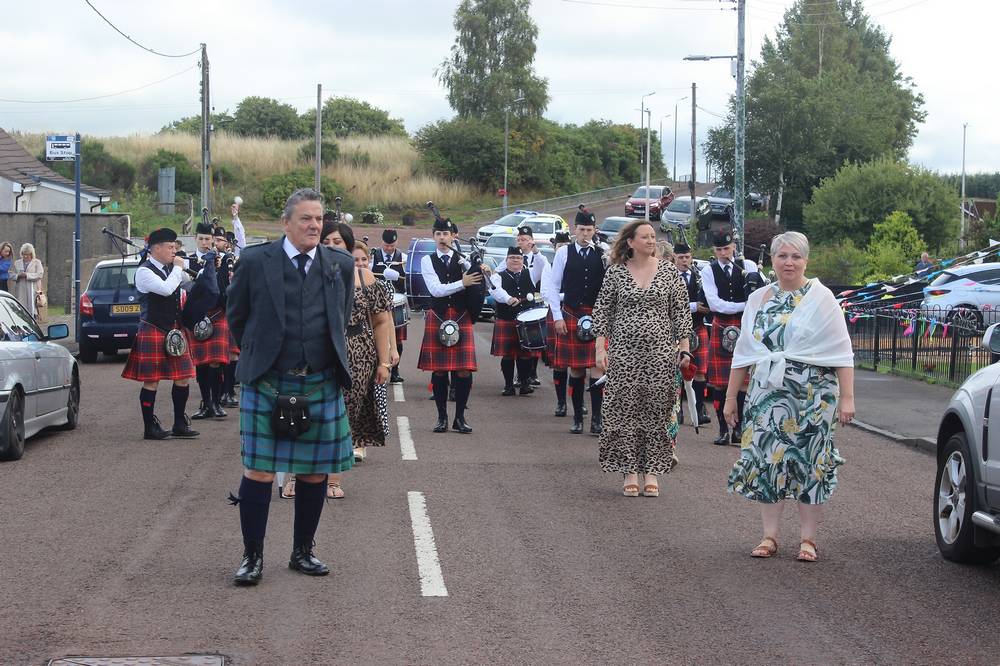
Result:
<point x="58" y="332"/>
<point x="991" y="338"/>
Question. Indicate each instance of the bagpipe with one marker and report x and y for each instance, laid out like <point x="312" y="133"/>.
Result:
<point x="204" y="293"/>
<point x="475" y="294"/>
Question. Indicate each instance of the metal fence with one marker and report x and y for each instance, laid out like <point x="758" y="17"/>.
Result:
<point x="945" y="345"/>
<point x="573" y="200"/>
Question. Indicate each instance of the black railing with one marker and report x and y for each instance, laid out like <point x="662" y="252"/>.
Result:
<point x="940" y="344"/>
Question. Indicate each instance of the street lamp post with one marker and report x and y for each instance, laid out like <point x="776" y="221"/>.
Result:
<point x="675" y="134"/>
<point x="642" y="112"/>
<point x="506" y="135"/>
<point x="649" y="123"/>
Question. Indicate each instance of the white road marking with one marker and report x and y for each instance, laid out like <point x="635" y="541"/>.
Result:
<point x="406" y="447"/>
<point x="428" y="565"/>
<point x="397" y="393"/>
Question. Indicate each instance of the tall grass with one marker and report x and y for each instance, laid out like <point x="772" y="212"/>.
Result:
<point x="390" y="176"/>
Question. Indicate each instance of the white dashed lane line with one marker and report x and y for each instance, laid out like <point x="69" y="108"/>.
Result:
<point x="406" y="447"/>
<point x="397" y="393"/>
<point x="428" y="564"/>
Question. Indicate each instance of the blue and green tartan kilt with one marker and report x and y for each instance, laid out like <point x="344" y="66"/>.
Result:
<point x="323" y="449"/>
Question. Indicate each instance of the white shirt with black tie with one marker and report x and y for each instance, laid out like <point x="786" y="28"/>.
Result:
<point x="716" y="304"/>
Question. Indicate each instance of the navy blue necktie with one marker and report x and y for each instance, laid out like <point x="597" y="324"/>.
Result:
<point x="302" y="259"/>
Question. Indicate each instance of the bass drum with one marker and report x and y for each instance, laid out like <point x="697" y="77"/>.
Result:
<point x="400" y="311"/>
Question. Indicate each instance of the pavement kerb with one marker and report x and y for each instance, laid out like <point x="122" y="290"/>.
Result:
<point x="925" y="444"/>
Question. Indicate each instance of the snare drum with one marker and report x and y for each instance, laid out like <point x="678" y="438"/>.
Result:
<point x="531" y="328"/>
<point x="400" y="310"/>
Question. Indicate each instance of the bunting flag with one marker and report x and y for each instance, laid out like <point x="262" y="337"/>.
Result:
<point x="908" y="331"/>
<point x="944" y="330"/>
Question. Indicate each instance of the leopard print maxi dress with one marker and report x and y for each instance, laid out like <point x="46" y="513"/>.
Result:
<point x="643" y="327"/>
<point x="366" y="417"/>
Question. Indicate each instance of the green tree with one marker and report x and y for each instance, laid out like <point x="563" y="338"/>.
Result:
<point x="276" y="189"/>
<point x="192" y="124"/>
<point x="98" y="168"/>
<point x="898" y="229"/>
<point x="263" y="116"/>
<point x="491" y="61"/>
<point x="186" y="177"/>
<point x="825" y="91"/>
<point x="462" y="149"/>
<point x="344" y="116"/>
<point x="851" y="202"/>
<point x="843" y="263"/>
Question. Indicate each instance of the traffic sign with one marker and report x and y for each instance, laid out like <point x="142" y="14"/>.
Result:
<point x="60" y="148"/>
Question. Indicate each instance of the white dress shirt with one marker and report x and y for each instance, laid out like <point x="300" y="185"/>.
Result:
<point x="148" y="282"/>
<point x="292" y="252"/>
<point x="241" y="235"/>
<point x="496" y="289"/>
<point x="537" y="265"/>
<point x="391" y="274"/>
<point x="434" y="285"/>
<point x="552" y="280"/>
<point x="716" y="304"/>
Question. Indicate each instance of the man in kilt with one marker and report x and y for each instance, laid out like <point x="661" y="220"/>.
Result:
<point x="577" y="274"/>
<point x="692" y="280"/>
<point x="536" y="265"/>
<point x="444" y="274"/>
<point x="211" y="355"/>
<point x="227" y="249"/>
<point x="388" y="263"/>
<point x="724" y="285"/>
<point x="288" y="307"/>
<point x="158" y="280"/>
<point x="511" y="290"/>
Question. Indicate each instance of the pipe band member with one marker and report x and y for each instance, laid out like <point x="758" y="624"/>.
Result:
<point x="577" y="274"/>
<point x="699" y="311"/>
<point x="389" y="264"/>
<point x="724" y="284"/>
<point x="444" y="274"/>
<point x="288" y="306"/>
<point x="510" y="290"/>
<point x="212" y="355"/>
<point x="537" y="265"/>
<point x="158" y="280"/>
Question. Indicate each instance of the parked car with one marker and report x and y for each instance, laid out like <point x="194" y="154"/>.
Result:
<point x="504" y="224"/>
<point x="679" y="212"/>
<point x="109" y="309"/>
<point x="610" y="226"/>
<point x="544" y="226"/>
<point x="720" y="202"/>
<point x="658" y="198"/>
<point x="967" y="295"/>
<point x="967" y="483"/>
<point x="756" y="201"/>
<point x="39" y="379"/>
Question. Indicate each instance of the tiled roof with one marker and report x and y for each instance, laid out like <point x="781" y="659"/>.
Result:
<point x="18" y="165"/>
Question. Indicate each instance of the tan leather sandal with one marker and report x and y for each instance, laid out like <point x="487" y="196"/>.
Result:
<point x="630" y="490"/>
<point x="334" y="491"/>
<point x="810" y="555"/>
<point x="288" y="490"/>
<point x="649" y="490"/>
<point x="767" y="547"/>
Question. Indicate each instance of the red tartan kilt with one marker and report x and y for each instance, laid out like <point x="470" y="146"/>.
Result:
<point x="701" y="356"/>
<point x="148" y="362"/>
<point x="435" y="357"/>
<point x="720" y="361"/>
<point x="401" y="333"/>
<point x="216" y="348"/>
<point x="570" y="352"/>
<point x="506" y="344"/>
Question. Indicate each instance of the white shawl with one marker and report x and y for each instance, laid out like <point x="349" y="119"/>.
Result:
<point x="816" y="333"/>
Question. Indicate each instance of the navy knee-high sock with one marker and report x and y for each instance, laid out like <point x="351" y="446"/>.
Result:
<point x="507" y="368"/>
<point x="596" y="400"/>
<point x="254" y="502"/>
<point x="576" y="395"/>
<point x="699" y="394"/>
<point x="439" y="383"/>
<point x="524" y="371"/>
<point x="309" y="499"/>
<point x="147" y="399"/>
<point x="216" y="377"/>
<point x="463" y="386"/>
<point x="229" y="372"/>
<point x="179" y="396"/>
<point x="204" y="384"/>
<point x="559" y="381"/>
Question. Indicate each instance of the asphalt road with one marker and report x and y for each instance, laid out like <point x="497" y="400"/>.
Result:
<point x="116" y="546"/>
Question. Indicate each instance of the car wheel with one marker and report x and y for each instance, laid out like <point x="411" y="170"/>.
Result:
<point x="954" y="503"/>
<point x="88" y="354"/>
<point x="73" y="404"/>
<point x="966" y="317"/>
<point x="12" y="428"/>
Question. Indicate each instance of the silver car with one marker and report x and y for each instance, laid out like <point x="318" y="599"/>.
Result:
<point x="967" y="483"/>
<point x="39" y="380"/>
<point x="679" y="213"/>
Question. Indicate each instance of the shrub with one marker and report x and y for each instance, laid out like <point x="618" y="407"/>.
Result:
<point x="187" y="178"/>
<point x="329" y="152"/>
<point x="263" y="116"/>
<point x="842" y="263"/>
<point x="358" y="159"/>
<point x="98" y="168"/>
<point x="372" y="215"/>
<point x="897" y="228"/>
<point x="276" y="189"/>
<point x="757" y="232"/>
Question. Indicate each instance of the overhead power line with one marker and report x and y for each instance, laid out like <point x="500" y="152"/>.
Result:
<point x="89" y="99"/>
<point x="144" y="48"/>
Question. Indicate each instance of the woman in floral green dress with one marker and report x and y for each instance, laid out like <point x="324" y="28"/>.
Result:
<point x="796" y="341"/>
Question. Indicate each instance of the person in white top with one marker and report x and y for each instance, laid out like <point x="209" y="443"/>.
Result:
<point x="512" y="290"/>
<point x="724" y="282"/>
<point x="692" y="280"/>
<point x="238" y="231"/>
<point x="537" y="266"/>
<point x="389" y="263"/>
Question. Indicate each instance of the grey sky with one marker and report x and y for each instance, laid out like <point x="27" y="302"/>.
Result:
<point x="599" y="59"/>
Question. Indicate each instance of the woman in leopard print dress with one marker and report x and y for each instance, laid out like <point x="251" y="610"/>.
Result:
<point x="643" y="316"/>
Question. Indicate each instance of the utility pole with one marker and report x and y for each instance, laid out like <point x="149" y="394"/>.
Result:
<point x="649" y="133"/>
<point x="694" y="153"/>
<point x="961" y="238"/>
<point x="319" y="134"/>
<point x="739" y="195"/>
<point x="206" y="134"/>
<point x="674" y="172"/>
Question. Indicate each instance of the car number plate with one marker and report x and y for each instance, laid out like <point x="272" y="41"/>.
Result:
<point x="132" y="308"/>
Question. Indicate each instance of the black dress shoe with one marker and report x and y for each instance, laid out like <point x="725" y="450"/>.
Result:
<point x="560" y="409"/>
<point x="155" y="431"/>
<point x="736" y="435"/>
<point x="596" y="426"/>
<point x="722" y="439"/>
<point x="229" y="400"/>
<point x="184" y="431"/>
<point x="442" y="425"/>
<point x="218" y="412"/>
<point x="508" y="390"/>
<point x="459" y="425"/>
<point x="534" y="381"/>
<point x="251" y="568"/>
<point x="395" y="378"/>
<point x="577" y="427"/>
<point x="302" y="560"/>
<point x="703" y="418"/>
<point x="204" y="412"/>
<point x="526" y="389"/>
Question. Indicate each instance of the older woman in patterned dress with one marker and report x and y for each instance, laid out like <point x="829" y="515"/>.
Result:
<point x="795" y="339"/>
<point x="642" y="321"/>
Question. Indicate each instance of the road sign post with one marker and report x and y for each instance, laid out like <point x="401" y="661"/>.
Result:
<point x="66" y="148"/>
